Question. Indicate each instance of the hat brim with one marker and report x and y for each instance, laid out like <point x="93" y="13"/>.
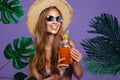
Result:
<point x="39" y="5"/>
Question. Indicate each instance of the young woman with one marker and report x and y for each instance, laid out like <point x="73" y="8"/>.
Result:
<point x="48" y="29"/>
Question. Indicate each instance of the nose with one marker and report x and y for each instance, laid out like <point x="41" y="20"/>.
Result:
<point x="54" y="20"/>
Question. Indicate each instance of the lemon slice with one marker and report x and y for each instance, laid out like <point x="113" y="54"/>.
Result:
<point x="65" y="36"/>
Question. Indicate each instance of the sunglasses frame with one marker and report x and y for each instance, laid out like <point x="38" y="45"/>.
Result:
<point x="50" y="18"/>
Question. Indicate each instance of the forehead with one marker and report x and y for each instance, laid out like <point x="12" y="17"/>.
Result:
<point x="53" y="12"/>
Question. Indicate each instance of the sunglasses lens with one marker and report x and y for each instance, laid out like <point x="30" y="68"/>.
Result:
<point x="50" y="18"/>
<point x="59" y="19"/>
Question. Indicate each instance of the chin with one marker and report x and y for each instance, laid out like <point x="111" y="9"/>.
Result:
<point x="52" y="33"/>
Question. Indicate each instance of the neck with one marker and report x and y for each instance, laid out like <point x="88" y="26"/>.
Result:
<point x="50" y="40"/>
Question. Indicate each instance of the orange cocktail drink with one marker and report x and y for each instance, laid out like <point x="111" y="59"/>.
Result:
<point x="65" y="53"/>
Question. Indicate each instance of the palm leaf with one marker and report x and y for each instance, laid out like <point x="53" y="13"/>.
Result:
<point x="105" y="24"/>
<point x="9" y="9"/>
<point x="98" y="67"/>
<point x="103" y="51"/>
<point x="20" y="51"/>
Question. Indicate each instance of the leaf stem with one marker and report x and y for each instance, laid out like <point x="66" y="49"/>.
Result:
<point x="7" y="78"/>
<point x="4" y="65"/>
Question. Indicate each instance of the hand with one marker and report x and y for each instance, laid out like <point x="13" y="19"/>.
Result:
<point x="62" y="67"/>
<point x="75" y="54"/>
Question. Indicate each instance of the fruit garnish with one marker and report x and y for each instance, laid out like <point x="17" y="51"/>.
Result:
<point x="65" y="36"/>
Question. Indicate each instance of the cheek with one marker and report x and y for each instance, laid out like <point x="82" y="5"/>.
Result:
<point x="59" y="24"/>
<point x="47" y="25"/>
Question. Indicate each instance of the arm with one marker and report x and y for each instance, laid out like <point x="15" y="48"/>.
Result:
<point x="76" y="66"/>
<point x="77" y="70"/>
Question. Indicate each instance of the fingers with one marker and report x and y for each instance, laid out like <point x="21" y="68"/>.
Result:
<point x="61" y="59"/>
<point x="76" y="55"/>
<point x="62" y="68"/>
<point x="63" y="65"/>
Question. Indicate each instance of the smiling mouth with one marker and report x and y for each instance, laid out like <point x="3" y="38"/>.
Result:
<point x="53" y="27"/>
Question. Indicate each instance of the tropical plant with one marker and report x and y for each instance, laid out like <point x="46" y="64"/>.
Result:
<point x="9" y="9"/>
<point x="103" y="51"/>
<point x="20" y="52"/>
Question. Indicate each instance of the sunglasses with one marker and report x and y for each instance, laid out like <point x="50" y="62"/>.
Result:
<point x="51" y="18"/>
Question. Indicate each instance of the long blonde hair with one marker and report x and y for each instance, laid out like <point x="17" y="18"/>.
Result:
<point x="40" y="41"/>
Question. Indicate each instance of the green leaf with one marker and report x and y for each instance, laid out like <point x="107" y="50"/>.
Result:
<point x="18" y="64"/>
<point x="20" y="76"/>
<point x="105" y="24"/>
<point x="98" y="67"/>
<point x="4" y="18"/>
<point x="103" y="51"/>
<point x="8" y="53"/>
<point x="10" y="10"/>
<point x="20" y="51"/>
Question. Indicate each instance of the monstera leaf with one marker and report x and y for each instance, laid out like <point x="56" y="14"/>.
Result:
<point x="22" y="76"/>
<point x="9" y="9"/>
<point x="103" y="51"/>
<point x="20" y="51"/>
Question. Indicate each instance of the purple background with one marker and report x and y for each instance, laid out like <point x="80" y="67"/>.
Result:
<point x="83" y="12"/>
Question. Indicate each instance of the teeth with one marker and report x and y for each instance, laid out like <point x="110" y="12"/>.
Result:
<point x="54" y="27"/>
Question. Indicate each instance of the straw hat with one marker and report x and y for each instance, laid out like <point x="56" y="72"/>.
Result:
<point x="39" y="5"/>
